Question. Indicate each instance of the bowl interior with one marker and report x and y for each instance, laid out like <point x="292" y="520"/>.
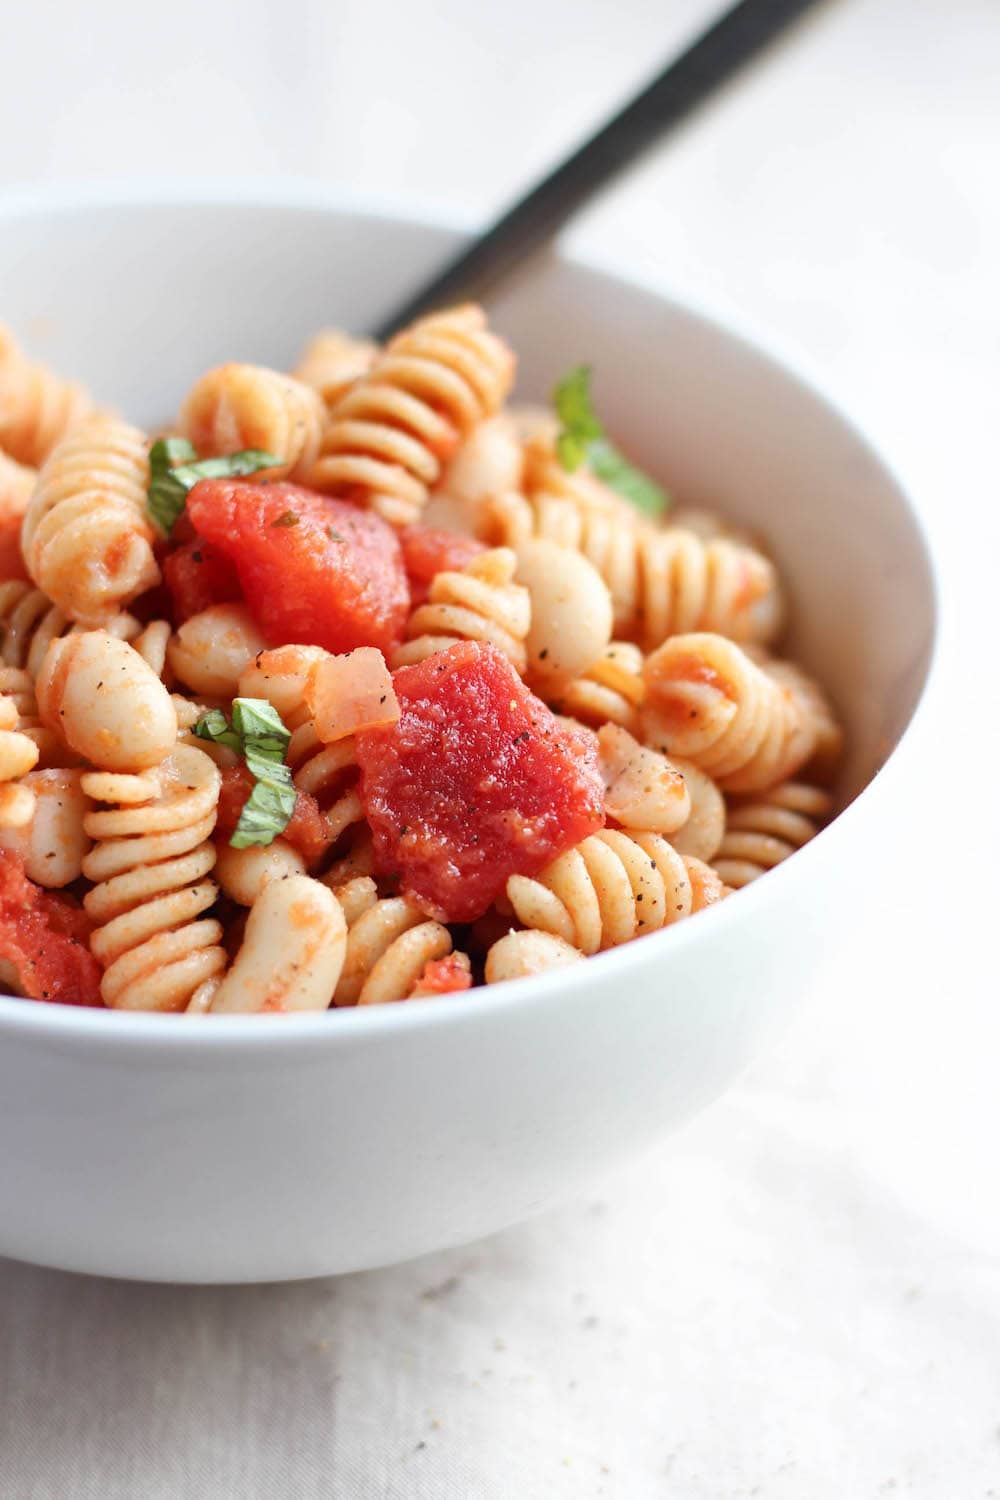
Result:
<point x="138" y="298"/>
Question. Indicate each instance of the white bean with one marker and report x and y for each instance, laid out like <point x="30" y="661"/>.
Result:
<point x="292" y="953"/>
<point x="243" y="873"/>
<point x="108" y="705"/>
<point x="210" y="650"/>
<point x="571" y="615"/>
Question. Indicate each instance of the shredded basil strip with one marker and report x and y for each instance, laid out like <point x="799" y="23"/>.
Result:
<point x="257" y="733"/>
<point x="582" y="439"/>
<point x="175" y="469"/>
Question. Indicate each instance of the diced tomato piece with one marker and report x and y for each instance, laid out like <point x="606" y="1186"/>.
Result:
<point x="198" y="576"/>
<point x="44" y="940"/>
<point x="427" y="551"/>
<point x="306" y="830"/>
<point x="477" y="782"/>
<point x="313" y="571"/>
<point x="11" y="560"/>
<point x="444" y="976"/>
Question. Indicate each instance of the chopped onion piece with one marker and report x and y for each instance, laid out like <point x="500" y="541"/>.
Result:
<point x="349" y="693"/>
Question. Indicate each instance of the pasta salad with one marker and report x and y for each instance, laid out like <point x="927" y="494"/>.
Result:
<point x="359" y="684"/>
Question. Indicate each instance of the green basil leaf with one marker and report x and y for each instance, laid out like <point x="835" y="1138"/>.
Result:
<point x="167" y="452"/>
<point x="259" y="735"/>
<point x="614" y="469"/>
<point x="215" y="726"/>
<point x="582" y="439"/>
<point x="259" y="723"/>
<point x="266" y="812"/>
<point x="580" y="423"/>
<point x="175" y="469"/>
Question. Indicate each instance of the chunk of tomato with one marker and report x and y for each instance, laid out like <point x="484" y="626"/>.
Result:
<point x="477" y="781"/>
<point x="198" y="576"/>
<point x="313" y="571"/>
<point x="44" y="937"/>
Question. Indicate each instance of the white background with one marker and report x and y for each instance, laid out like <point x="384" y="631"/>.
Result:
<point x="799" y="1297"/>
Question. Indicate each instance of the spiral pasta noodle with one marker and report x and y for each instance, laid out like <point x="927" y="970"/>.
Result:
<point x="611" y="691"/>
<point x="16" y="484"/>
<point x="150" y="867"/>
<point x="239" y="406"/>
<point x="86" y="537"/>
<point x="480" y="603"/>
<point x="30" y="622"/>
<point x="391" y="432"/>
<point x="37" y="407"/>
<point x="817" y="708"/>
<point x="544" y="475"/>
<point x="52" y="841"/>
<point x="612" y="887"/>
<point x="662" y="582"/>
<point x="332" y="361"/>
<point x="18" y="754"/>
<point x="389" y="944"/>
<point x="328" y="772"/>
<point x="709" y="702"/>
<point x="18" y="689"/>
<point x="519" y="955"/>
<point x="763" y="830"/>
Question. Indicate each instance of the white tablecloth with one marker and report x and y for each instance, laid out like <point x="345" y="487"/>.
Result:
<point x="799" y="1297"/>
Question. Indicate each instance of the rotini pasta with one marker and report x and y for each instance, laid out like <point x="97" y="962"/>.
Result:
<point x="611" y="888"/>
<point x="610" y="691"/>
<point x="53" y="841"/>
<point x="243" y="873"/>
<point x="37" y="408"/>
<point x="481" y="603"/>
<point x="18" y="755"/>
<point x="210" y="650"/>
<point x="328" y="772"/>
<point x="570" y="614"/>
<point x="584" y="736"/>
<point x="708" y="701"/>
<point x="16" y="484"/>
<point x="763" y="830"/>
<point x="29" y="622"/>
<point x="662" y="582"/>
<point x="332" y="361"/>
<point x="150" y="869"/>
<point x="642" y="789"/>
<point x="106" y="702"/>
<point x="489" y="461"/>
<point x="518" y="955"/>
<point x="389" y="944"/>
<point x="390" y="433"/>
<point x="18" y="689"/>
<point x="86" y="537"/>
<point x="248" y="406"/>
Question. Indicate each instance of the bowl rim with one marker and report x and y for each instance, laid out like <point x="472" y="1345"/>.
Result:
<point x="98" y="1029"/>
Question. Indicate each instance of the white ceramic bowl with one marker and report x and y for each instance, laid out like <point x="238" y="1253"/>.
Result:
<point x="257" y="1148"/>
